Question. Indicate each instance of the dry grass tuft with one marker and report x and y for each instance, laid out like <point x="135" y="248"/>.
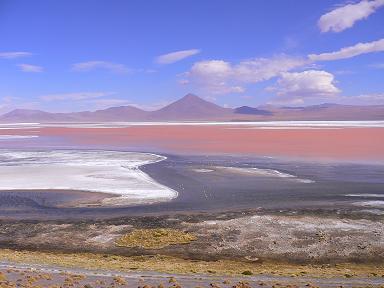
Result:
<point x="154" y="238"/>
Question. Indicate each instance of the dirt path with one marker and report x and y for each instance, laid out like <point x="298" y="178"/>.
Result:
<point x="48" y="276"/>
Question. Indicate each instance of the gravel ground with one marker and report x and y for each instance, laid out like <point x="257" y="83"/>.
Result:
<point x="23" y="275"/>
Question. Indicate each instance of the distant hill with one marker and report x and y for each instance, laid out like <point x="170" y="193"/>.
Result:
<point x="252" y="111"/>
<point x="194" y="108"/>
<point x="122" y="113"/>
<point x="29" y="115"/>
<point x="331" y="111"/>
<point x="191" y="107"/>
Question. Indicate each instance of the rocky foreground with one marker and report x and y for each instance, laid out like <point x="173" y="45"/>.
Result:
<point x="244" y="236"/>
<point x="238" y="249"/>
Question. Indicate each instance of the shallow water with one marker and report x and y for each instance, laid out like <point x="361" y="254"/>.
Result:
<point x="225" y="183"/>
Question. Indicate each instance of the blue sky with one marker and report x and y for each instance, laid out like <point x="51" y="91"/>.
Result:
<point x="73" y="55"/>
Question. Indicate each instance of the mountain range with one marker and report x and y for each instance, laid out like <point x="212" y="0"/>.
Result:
<point x="194" y="108"/>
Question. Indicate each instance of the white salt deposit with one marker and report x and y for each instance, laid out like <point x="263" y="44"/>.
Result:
<point x="265" y="173"/>
<point x="202" y="170"/>
<point x="366" y="195"/>
<point x="96" y="171"/>
<point x="13" y="137"/>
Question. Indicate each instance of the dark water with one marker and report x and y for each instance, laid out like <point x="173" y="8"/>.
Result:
<point x="223" y="190"/>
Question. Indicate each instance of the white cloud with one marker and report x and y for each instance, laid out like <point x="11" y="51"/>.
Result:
<point x="261" y="69"/>
<point x="213" y="77"/>
<point x="93" y="65"/>
<point x="344" y="17"/>
<point x="221" y="77"/>
<point x="30" y="68"/>
<point x="314" y="86"/>
<point x="77" y="96"/>
<point x="176" y="56"/>
<point x="12" y="55"/>
<point x="211" y="71"/>
<point x="216" y="68"/>
<point x="349" y="52"/>
<point x="298" y="86"/>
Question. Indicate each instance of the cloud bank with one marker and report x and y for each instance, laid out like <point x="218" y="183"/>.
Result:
<point x="349" y="52"/>
<point x="346" y="16"/>
<point x="221" y="77"/>
<point x="296" y="86"/>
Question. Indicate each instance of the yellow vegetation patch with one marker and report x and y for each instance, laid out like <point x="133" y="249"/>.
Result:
<point x="154" y="238"/>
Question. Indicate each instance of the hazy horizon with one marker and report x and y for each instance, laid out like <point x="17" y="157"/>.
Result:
<point x="260" y="106"/>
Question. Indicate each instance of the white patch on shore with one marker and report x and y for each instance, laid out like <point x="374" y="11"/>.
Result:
<point x="95" y="171"/>
<point x="12" y="137"/>
<point x="366" y="195"/>
<point x="202" y="170"/>
<point x="264" y="173"/>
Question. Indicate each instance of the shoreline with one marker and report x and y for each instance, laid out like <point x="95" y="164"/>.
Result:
<point x="108" y="172"/>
